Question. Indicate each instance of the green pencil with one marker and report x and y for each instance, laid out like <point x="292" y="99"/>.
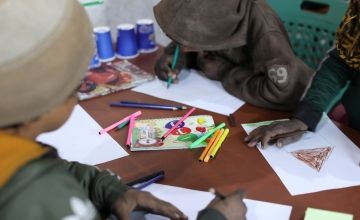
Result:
<point x="206" y="135"/>
<point x="173" y="65"/>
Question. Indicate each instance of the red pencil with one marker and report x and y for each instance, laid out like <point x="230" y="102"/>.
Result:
<point x="177" y="123"/>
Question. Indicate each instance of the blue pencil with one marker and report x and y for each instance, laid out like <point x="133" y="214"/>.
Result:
<point x="149" y="182"/>
<point x="151" y="104"/>
<point x="133" y="105"/>
<point x="145" y="178"/>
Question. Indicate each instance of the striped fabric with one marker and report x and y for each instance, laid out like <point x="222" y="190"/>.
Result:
<point x="348" y="36"/>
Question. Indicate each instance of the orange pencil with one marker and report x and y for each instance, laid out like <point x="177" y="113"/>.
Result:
<point x="208" y="146"/>
<point x="207" y="157"/>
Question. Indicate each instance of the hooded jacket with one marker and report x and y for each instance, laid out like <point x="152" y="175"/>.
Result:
<point x="44" y="186"/>
<point x="247" y="41"/>
<point x="34" y="179"/>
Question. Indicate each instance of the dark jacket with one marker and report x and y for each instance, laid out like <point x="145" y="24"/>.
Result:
<point x="247" y="40"/>
<point x="340" y="67"/>
<point x="330" y="79"/>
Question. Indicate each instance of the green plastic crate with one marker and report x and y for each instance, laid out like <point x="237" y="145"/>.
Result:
<point x="311" y="33"/>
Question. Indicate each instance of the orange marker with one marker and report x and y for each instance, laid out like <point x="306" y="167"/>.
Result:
<point x="208" y="146"/>
<point x="207" y="157"/>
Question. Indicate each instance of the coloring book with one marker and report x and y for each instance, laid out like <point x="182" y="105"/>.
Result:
<point x="147" y="132"/>
<point x="112" y="77"/>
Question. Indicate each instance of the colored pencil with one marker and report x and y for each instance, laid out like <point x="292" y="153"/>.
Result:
<point x="149" y="182"/>
<point x="173" y="64"/>
<point x="130" y="131"/>
<point x="107" y="129"/>
<point x="146" y="178"/>
<point x="206" y="135"/>
<point x="153" y="104"/>
<point x="208" y="146"/>
<point x="133" y="105"/>
<point x="207" y="157"/>
<point x="219" y="144"/>
<point x="178" y="123"/>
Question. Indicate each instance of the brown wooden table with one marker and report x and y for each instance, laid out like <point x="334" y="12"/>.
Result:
<point x="236" y="165"/>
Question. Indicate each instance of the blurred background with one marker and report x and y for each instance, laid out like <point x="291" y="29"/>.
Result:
<point x="113" y="12"/>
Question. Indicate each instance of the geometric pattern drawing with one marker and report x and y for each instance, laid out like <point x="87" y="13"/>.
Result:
<point x="315" y="158"/>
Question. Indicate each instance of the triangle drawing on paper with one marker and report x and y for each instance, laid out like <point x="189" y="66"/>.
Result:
<point x="315" y="158"/>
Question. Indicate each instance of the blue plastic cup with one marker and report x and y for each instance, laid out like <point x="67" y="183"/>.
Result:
<point x="104" y="44"/>
<point x="95" y="62"/>
<point x="146" y="36"/>
<point x="126" y="46"/>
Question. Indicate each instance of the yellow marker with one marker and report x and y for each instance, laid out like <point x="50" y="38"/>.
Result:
<point x="208" y="146"/>
<point x="207" y="157"/>
<point x="218" y="145"/>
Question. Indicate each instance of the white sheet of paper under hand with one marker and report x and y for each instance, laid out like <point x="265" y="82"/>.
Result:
<point x="316" y="162"/>
<point x="192" y="201"/>
<point x="194" y="90"/>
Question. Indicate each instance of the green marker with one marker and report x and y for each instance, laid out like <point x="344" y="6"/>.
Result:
<point x="206" y="135"/>
<point x="122" y="125"/>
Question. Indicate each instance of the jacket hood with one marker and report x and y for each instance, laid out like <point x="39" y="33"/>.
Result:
<point x="205" y="24"/>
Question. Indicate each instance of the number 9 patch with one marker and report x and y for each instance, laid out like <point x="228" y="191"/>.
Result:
<point x="278" y="74"/>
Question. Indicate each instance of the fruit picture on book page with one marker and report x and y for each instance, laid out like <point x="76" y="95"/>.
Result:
<point x="315" y="158"/>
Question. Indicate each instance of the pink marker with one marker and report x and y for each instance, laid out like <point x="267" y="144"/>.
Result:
<point x="177" y="123"/>
<point x="105" y="130"/>
<point x="131" y="127"/>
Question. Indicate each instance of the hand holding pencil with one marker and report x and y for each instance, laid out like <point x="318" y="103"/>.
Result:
<point x="166" y="66"/>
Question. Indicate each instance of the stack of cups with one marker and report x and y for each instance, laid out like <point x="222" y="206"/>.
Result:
<point x="130" y="41"/>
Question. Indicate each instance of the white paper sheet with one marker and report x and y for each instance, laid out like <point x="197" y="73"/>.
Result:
<point x="340" y="170"/>
<point x="195" y="90"/>
<point x="78" y="140"/>
<point x="192" y="201"/>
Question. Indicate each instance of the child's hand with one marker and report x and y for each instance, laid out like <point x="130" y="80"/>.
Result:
<point x="232" y="206"/>
<point x="268" y="133"/>
<point x="145" y="201"/>
<point x="163" y="67"/>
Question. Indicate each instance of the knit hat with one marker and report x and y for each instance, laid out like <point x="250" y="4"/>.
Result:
<point x="45" y="47"/>
<point x="205" y="24"/>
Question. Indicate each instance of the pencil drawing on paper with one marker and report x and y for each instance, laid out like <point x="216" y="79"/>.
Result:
<point x="315" y="158"/>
